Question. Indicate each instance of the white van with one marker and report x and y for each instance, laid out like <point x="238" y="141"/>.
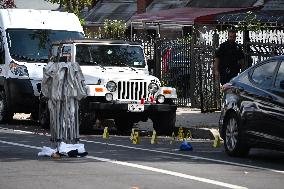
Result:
<point x="25" y="39"/>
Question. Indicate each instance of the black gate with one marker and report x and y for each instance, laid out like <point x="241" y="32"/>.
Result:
<point x="205" y="90"/>
<point x="169" y="60"/>
<point x="187" y="64"/>
<point x="189" y="70"/>
<point x="173" y="56"/>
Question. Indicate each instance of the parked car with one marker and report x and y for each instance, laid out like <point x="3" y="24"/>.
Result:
<point x="176" y="69"/>
<point x="176" y="62"/>
<point x="253" y="108"/>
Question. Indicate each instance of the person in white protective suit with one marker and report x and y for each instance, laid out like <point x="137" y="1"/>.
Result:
<point x="63" y="85"/>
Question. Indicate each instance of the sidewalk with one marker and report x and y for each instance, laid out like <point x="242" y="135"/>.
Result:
<point x="201" y="125"/>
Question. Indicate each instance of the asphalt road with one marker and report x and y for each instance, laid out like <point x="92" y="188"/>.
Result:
<point x="117" y="163"/>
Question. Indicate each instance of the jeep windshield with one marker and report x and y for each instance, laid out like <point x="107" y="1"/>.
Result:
<point x="32" y="45"/>
<point x="110" y="55"/>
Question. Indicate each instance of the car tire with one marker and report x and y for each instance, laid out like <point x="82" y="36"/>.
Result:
<point x="5" y="115"/>
<point x="234" y="143"/>
<point x="164" y="122"/>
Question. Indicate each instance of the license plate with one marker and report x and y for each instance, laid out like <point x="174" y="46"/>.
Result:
<point x="135" y="107"/>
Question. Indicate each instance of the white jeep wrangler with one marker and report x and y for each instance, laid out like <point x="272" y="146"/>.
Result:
<point x="119" y="85"/>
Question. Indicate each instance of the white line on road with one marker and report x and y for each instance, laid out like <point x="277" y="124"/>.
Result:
<point x="175" y="154"/>
<point x="22" y="145"/>
<point x="148" y="168"/>
<point x="173" y="173"/>
<point x="190" y="156"/>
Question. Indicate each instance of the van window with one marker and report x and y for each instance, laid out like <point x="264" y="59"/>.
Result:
<point x="110" y="55"/>
<point x="33" y="45"/>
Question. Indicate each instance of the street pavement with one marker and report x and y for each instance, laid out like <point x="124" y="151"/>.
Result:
<point x="118" y="163"/>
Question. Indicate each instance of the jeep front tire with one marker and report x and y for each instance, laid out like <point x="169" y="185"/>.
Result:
<point x="164" y="122"/>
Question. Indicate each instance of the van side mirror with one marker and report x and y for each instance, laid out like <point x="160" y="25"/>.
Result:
<point x="282" y="84"/>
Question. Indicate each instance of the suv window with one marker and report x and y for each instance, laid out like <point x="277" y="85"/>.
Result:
<point x="110" y="55"/>
<point x="263" y="74"/>
<point x="280" y="76"/>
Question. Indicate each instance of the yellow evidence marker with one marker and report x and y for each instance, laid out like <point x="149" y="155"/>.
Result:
<point x="217" y="141"/>
<point x="173" y="138"/>
<point x="180" y="134"/>
<point x="106" y="133"/>
<point x="154" y="139"/>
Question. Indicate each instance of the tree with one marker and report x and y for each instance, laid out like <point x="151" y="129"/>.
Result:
<point x="113" y="29"/>
<point x="5" y="4"/>
<point x="74" y="6"/>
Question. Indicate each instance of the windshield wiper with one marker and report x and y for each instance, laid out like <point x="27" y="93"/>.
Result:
<point x="99" y="65"/>
<point x="122" y="63"/>
<point x="42" y="60"/>
<point x="25" y="58"/>
<point x="21" y="58"/>
<point x="88" y="63"/>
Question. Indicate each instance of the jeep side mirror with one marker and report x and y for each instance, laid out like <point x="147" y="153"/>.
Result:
<point x="282" y="84"/>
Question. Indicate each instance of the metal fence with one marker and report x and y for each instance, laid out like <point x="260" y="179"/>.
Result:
<point x="170" y="62"/>
<point x="187" y="64"/>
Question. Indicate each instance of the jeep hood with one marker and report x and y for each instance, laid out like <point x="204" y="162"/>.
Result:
<point x="94" y="74"/>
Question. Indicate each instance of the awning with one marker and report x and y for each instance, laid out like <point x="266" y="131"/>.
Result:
<point x="272" y="12"/>
<point x="262" y="16"/>
<point x="221" y="3"/>
<point x="185" y="16"/>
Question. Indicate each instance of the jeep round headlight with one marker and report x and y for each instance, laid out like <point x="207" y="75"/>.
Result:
<point x="153" y="88"/>
<point x="161" y="99"/>
<point x="111" y="86"/>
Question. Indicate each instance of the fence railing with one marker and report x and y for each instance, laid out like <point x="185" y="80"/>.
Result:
<point x="188" y="65"/>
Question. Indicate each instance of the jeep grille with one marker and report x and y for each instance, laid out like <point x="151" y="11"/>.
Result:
<point x="132" y="90"/>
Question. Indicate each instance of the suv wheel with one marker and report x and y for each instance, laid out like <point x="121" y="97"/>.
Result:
<point x="234" y="145"/>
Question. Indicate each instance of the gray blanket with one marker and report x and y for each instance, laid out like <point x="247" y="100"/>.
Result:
<point x="63" y="85"/>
